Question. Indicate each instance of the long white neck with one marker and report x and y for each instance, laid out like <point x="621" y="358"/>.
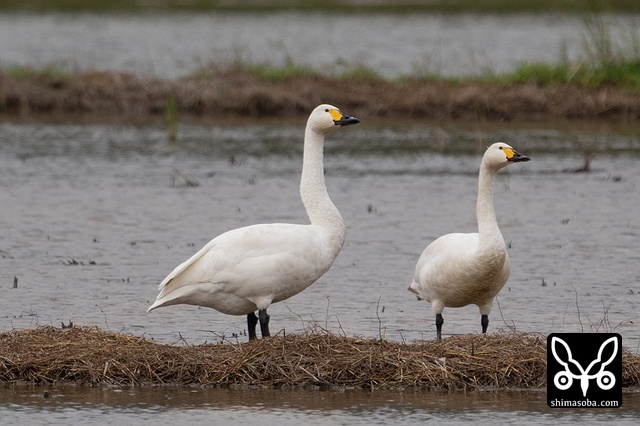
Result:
<point x="487" y="223"/>
<point x="313" y="190"/>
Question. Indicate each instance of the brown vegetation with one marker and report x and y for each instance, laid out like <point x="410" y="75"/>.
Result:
<point x="88" y="355"/>
<point x="108" y="95"/>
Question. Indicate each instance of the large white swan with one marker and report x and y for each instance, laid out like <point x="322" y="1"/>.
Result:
<point x="458" y="269"/>
<point x="249" y="268"/>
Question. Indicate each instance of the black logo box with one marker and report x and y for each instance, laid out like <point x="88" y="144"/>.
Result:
<point x="584" y="370"/>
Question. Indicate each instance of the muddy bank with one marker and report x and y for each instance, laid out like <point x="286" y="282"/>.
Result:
<point x="97" y="94"/>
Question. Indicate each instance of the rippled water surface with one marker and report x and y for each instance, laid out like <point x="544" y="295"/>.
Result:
<point x="172" y="45"/>
<point x="93" y="218"/>
<point x="244" y="407"/>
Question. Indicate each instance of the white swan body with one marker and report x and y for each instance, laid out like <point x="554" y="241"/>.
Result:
<point x="458" y="269"/>
<point x="248" y="269"/>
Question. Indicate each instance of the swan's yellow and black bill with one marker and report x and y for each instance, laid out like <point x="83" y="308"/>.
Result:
<point x="342" y="120"/>
<point x="515" y="156"/>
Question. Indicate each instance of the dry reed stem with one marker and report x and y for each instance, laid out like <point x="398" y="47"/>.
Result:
<point x="88" y="355"/>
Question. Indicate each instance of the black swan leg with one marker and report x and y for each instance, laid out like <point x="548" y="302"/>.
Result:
<point x="252" y="320"/>
<point x="439" y="322"/>
<point x="484" y="320"/>
<point x="264" y="322"/>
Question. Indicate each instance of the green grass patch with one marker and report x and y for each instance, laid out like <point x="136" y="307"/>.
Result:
<point x="51" y="72"/>
<point x="625" y="75"/>
<point x="621" y="74"/>
<point x="265" y="71"/>
<point x="272" y="73"/>
<point x="544" y="74"/>
<point x="356" y="71"/>
<point x="261" y="71"/>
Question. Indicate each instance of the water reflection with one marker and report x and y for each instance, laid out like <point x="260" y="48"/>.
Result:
<point x="244" y="406"/>
<point x="271" y="137"/>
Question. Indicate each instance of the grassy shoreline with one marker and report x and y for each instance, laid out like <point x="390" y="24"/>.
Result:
<point x="602" y="84"/>
<point x="271" y="92"/>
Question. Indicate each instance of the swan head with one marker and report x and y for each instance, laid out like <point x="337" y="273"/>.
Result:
<point x="500" y="155"/>
<point x="325" y="118"/>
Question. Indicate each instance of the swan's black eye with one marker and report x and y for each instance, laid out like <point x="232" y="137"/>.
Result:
<point x="326" y="110"/>
<point x="500" y="147"/>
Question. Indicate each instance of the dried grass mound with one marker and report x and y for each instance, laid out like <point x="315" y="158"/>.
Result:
<point x="88" y="355"/>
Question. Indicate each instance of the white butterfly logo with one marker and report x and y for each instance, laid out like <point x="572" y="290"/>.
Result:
<point x="564" y="379"/>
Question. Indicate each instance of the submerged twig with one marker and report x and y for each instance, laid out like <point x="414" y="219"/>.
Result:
<point x="177" y="175"/>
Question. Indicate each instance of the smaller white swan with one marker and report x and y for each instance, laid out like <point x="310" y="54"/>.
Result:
<point x="457" y="269"/>
<point x="248" y="269"/>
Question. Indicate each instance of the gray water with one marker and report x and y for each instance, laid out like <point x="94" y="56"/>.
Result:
<point x="176" y="44"/>
<point x="250" y="406"/>
<point x="92" y="221"/>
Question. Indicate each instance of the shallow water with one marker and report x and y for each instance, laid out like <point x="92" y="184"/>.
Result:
<point x="92" y="221"/>
<point x="175" y="44"/>
<point x="243" y="407"/>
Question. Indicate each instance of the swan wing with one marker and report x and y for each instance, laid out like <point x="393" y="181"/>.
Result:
<point x="445" y="259"/>
<point x="250" y="267"/>
<point x="454" y="271"/>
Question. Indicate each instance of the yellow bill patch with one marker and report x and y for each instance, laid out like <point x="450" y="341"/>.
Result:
<point x="510" y="153"/>
<point x="337" y="116"/>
